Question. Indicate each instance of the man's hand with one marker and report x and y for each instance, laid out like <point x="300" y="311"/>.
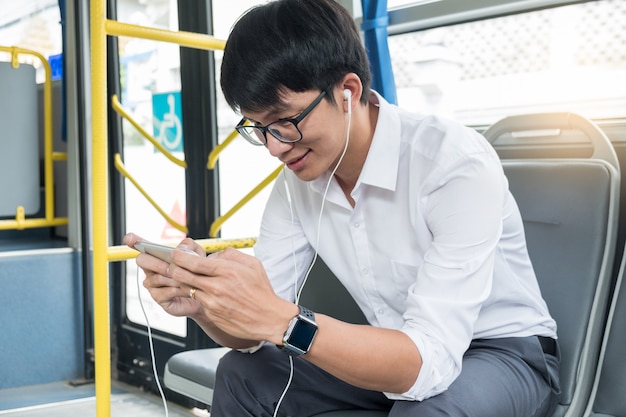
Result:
<point x="235" y="294"/>
<point x="171" y="295"/>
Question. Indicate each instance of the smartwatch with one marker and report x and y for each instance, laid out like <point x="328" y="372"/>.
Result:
<point x="300" y="333"/>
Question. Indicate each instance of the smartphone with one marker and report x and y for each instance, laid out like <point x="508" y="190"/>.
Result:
<point x="160" y="251"/>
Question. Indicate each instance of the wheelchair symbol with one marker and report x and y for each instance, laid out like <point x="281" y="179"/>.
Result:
<point x="170" y="128"/>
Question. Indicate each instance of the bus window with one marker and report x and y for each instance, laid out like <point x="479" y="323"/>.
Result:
<point x="241" y="166"/>
<point x="33" y="25"/>
<point x="150" y="93"/>
<point x="150" y="78"/>
<point x="568" y="58"/>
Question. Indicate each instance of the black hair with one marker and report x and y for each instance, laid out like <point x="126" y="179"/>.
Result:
<point x="300" y="45"/>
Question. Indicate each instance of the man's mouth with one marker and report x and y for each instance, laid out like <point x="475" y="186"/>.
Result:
<point x="296" y="163"/>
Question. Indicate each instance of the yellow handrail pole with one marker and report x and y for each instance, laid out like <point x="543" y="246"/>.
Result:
<point x="19" y="217"/>
<point x="102" y="338"/>
<point x="182" y="38"/>
<point x="21" y="223"/>
<point x="122" y="252"/>
<point x="47" y="132"/>
<point x="47" y="127"/>
<point x="120" y="110"/>
<point x="122" y="169"/>
<point x="217" y="224"/>
<point x="215" y="153"/>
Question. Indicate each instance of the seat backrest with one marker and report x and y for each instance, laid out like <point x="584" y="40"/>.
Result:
<point x="608" y="396"/>
<point x="569" y="207"/>
<point x="19" y="140"/>
<point x="325" y="294"/>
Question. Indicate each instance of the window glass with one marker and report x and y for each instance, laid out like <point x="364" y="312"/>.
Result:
<point x="33" y="25"/>
<point x="569" y="58"/>
<point x="398" y="3"/>
<point x="150" y="77"/>
<point x="150" y="93"/>
<point x="242" y="166"/>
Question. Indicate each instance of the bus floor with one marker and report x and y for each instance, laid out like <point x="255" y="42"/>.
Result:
<point x="62" y="400"/>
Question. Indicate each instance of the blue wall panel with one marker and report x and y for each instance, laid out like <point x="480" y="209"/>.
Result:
<point x="41" y="324"/>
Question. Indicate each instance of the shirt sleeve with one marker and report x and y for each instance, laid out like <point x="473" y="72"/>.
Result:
<point x="282" y="246"/>
<point x="463" y="207"/>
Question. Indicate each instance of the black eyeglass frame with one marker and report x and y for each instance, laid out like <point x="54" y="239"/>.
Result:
<point x="241" y="127"/>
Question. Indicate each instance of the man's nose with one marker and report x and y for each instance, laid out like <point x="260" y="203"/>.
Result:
<point x="277" y="147"/>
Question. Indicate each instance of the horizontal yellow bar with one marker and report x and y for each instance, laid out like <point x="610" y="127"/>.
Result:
<point x="182" y="38"/>
<point x="122" y="253"/>
<point x="32" y="223"/>
<point x="16" y="50"/>
<point x="59" y="156"/>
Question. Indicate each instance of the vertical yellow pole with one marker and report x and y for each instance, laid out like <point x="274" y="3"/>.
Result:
<point x="47" y="123"/>
<point x="102" y="339"/>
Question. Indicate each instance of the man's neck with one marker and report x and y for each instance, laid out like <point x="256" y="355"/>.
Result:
<point x="361" y="136"/>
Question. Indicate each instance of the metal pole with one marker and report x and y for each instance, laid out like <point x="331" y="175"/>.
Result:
<point x="102" y="338"/>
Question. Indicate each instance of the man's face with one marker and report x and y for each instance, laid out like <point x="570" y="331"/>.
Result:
<point x="323" y="133"/>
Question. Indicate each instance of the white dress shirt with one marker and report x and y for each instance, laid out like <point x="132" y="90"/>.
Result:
<point x="434" y="245"/>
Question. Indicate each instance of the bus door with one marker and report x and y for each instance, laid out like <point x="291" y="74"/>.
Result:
<point x="162" y="189"/>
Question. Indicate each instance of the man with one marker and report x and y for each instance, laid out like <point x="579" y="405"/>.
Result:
<point x="413" y="215"/>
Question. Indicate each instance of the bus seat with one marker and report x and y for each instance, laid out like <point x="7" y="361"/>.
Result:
<point x="192" y="373"/>
<point x="570" y="210"/>
<point x="607" y="398"/>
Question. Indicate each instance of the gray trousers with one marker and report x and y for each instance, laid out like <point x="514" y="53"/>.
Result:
<point x="510" y="377"/>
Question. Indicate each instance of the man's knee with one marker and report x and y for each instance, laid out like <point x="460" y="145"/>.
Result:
<point x="242" y="385"/>
<point x="250" y="367"/>
<point x="231" y="362"/>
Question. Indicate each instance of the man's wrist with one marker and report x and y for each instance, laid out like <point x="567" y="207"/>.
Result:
<point x="287" y="314"/>
<point x="300" y="333"/>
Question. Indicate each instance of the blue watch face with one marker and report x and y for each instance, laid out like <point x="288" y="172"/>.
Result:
<point x="302" y="335"/>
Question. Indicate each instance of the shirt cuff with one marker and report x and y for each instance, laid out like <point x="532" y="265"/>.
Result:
<point x="253" y="348"/>
<point x="436" y="374"/>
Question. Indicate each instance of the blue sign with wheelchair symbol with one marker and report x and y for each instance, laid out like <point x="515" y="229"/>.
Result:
<point x="167" y="117"/>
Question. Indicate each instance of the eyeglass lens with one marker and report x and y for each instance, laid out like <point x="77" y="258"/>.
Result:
<point x="283" y="130"/>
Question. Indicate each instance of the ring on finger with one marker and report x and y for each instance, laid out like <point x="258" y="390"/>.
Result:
<point x="192" y="293"/>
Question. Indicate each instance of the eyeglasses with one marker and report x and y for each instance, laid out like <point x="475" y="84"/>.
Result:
<point x="285" y="130"/>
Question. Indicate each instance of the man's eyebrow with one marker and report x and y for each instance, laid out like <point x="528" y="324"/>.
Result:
<point x="280" y="108"/>
<point x="277" y="111"/>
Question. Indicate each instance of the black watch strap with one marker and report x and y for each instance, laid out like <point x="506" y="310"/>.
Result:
<point x="307" y="313"/>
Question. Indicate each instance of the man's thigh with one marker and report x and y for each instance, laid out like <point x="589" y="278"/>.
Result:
<point x="504" y="377"/>
<point x="252" y="384"/>
<point x="501" y="377"/>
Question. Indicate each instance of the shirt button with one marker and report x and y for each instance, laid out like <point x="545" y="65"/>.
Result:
<point x="381" y="311"/>
<point x="356" y="224"/>
<point x="364" y="271"/>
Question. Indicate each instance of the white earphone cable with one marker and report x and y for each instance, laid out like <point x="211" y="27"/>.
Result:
<point x="152" y="355"/>
<point x="317" y="241"/>
<point x="330" y="179"/>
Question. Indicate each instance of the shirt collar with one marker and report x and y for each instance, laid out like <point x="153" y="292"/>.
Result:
<point x="381" y="165"/>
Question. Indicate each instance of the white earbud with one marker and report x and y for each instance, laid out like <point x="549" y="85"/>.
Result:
<point x="347" y="95"/>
